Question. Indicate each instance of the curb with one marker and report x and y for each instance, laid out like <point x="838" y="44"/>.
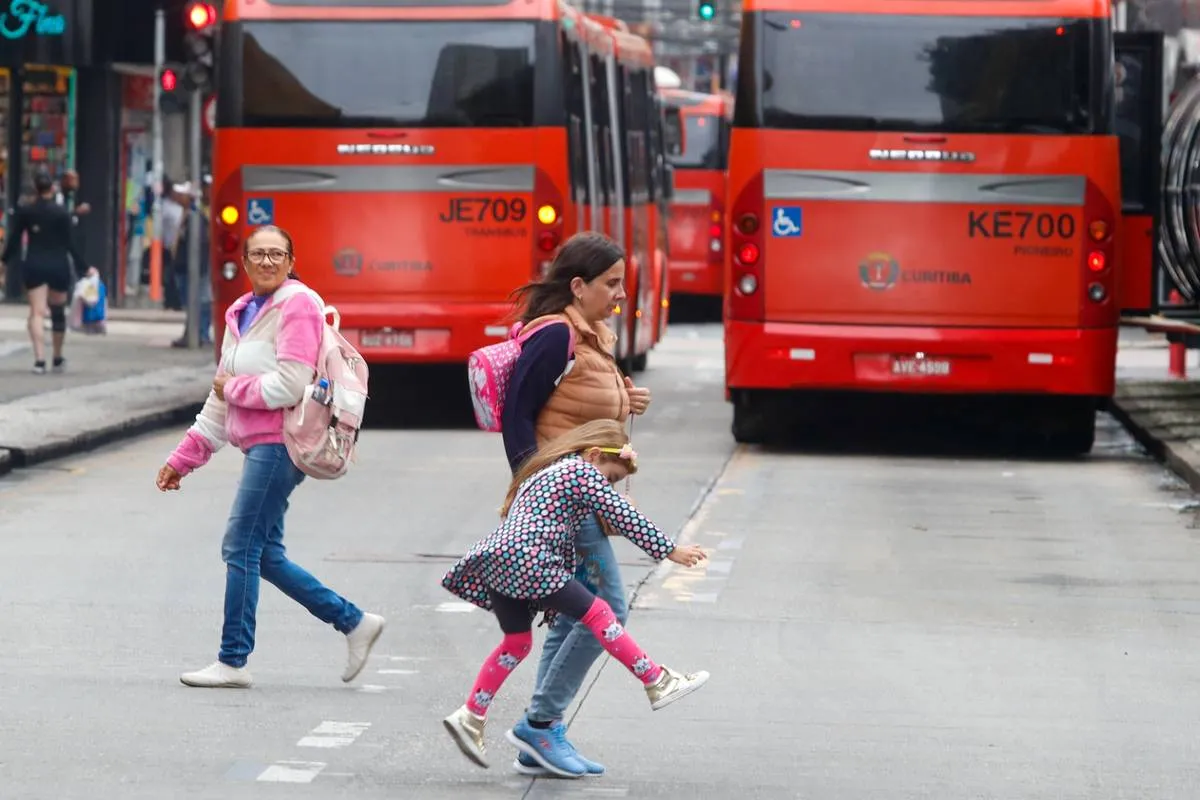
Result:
<point x="65" y="422"/>
<point x="14" y="458"/>
<point x="1177" y="455"/>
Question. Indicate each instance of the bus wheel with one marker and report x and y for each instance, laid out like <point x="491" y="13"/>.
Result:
<point x="749" y="418"/>
<point x="1072" y="431"/>
<point x="639" y="362"/>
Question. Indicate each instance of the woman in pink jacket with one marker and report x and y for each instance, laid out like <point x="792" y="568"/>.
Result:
<point x="268" y="356"/>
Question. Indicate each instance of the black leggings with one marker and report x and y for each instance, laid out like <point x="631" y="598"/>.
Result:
<point x="516" y="615"/>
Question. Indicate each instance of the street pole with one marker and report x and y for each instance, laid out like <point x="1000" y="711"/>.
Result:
<point x="194" y="231"/>
<point x="156" y="244"/>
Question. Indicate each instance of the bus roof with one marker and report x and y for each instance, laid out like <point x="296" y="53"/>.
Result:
<point x="389" y="10"/>
<point x="942" y="8"/>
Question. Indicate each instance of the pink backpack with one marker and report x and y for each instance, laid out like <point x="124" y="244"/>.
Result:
<point x="321" y="431"/>
<point x="490" y="368"/>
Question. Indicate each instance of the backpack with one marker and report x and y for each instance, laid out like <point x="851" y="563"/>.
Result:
<point x="321" y="431"/>
<point x="490" y="368"/>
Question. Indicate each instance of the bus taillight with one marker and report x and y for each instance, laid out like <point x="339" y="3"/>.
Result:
<point x="1098" y="230"/>
<point x="716" y="230"/>
<point x="744" y="300"/>
<point x="1100" y="308"/>
<point x="228" y="228"/>
<point x="548" y="222"/>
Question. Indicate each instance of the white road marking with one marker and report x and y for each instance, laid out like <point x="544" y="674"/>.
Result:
<point x="399" y="671"/>
<point x="292" y="771"/>
<point x="334" y="734"/>
<point x="371" y="688"/>
<point x="455" y="607"/>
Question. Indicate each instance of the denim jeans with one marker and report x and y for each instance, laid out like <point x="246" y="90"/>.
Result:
<point x="570" y="648"/>
<point x="253" y="547"/>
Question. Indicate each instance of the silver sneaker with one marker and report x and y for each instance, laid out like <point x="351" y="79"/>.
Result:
<point x="672" y="686"/>
<point x="467" y="731"/>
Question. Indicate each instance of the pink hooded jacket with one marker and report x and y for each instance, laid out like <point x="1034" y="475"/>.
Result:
<point x="271" y="364"/>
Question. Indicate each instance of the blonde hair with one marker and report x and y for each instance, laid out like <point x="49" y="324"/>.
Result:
<point x="601" y="433"/>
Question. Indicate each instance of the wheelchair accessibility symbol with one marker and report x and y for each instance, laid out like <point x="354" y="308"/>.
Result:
<point x="786" y="221"/>
<point x="260" y="211"/>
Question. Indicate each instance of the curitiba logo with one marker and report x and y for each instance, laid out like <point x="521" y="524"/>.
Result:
<point x="879" y="271"/>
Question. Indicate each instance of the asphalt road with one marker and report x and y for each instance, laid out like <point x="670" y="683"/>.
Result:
<point x="878" y="624"/>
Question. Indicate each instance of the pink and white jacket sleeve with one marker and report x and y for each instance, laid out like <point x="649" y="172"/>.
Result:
<point x="205" y="437"/>
<point x="297" y="345"/>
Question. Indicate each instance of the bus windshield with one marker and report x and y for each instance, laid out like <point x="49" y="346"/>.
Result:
<point x="702" y="143"/>
<point x="332" y="74"/>
<point x="926" y="73"/>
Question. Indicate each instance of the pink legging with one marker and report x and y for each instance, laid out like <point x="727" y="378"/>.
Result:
<point x="516" y="620"/>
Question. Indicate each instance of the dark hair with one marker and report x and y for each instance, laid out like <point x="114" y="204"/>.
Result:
<point x="586" y="255"/>
<point x="287" y="237"/>
<point x="42" y="182"/>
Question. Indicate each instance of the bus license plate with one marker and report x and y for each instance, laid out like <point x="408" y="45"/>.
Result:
<point x="386" y="339"/>
<point x="920" y="366"/>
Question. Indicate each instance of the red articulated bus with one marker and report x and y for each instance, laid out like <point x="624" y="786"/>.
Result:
<point x="701" y="125"/>
<point x="426" y="182"/>
<point x="942" y="198"/>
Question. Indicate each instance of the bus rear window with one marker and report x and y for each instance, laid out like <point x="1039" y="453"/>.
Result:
<point x="327" y="74"/>
<point x="702" y="143"/>
<point x="926" y="73"/>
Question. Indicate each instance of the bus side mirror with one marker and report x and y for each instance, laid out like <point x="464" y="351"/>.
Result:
<point x="669" y="182"/>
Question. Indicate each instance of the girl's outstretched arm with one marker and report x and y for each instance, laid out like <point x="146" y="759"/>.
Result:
<point x="614" y="509"/>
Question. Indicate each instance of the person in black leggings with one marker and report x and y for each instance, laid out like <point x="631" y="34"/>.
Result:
<point x="46" y="269"/>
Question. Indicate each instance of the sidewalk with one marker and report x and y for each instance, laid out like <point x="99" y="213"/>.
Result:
<point x="126" y="382"/>
<point x="1162" y="413"/>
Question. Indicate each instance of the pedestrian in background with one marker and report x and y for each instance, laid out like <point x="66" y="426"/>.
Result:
<point x="551" y="392"/>
<point x="46" y="268"/>
<point x="277" y="345"/>
<point x="527" y="564"/>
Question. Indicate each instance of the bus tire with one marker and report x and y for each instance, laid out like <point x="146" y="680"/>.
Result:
<point x="1073" y="430"/>
<point x="640" y="362"/>
<point x="749" y="419"/>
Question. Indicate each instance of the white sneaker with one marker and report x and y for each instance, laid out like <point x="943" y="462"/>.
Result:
<point x="218" y="676"/>
<point x="360" y="641"/>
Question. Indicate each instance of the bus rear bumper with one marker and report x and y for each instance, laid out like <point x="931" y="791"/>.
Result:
<point x="797" y="356"/>
<point x="408" y="332"/>
<point x="695" y="277"/>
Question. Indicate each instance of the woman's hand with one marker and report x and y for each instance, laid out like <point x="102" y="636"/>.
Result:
<point x="219" y="385"/>
<point x="689" y="555"/>
<point x="168" y="479"/>
<point x="639" y="397"/>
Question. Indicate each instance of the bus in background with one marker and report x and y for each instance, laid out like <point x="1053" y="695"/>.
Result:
<point x="422" y="191"/>
<point x="701" y="125"/>
<point x="926" y="198"/>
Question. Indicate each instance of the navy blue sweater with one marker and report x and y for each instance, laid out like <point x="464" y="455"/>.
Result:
<point x="535" y="376"/>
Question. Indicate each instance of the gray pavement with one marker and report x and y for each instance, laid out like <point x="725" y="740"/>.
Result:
<point x="876" y="625"/>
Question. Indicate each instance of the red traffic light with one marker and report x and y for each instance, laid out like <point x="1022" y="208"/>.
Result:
<point x="201" y="15"/>
<point x="168" y="80"/>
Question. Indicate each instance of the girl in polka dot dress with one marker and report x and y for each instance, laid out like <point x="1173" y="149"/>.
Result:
<point x="528" y="564"/>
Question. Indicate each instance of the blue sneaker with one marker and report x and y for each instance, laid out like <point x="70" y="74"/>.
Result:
<point x="548" y="747"/>
<point x="525" y="764"/>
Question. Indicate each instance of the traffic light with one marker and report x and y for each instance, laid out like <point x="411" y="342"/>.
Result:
<point x="707" y="10"/>
<point x="169" y="91"/>
<point x="201" y="20"/>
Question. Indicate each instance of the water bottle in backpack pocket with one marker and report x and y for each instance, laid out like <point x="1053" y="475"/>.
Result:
<point x="321" y="431"/>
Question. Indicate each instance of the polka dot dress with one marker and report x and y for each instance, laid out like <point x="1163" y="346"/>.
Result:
<point x="532" y="553"/>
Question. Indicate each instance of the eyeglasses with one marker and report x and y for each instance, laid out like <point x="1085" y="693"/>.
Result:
<point x="275" y="256"/>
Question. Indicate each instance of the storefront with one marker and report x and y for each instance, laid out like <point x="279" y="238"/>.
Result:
<point x="41" y="46"/>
